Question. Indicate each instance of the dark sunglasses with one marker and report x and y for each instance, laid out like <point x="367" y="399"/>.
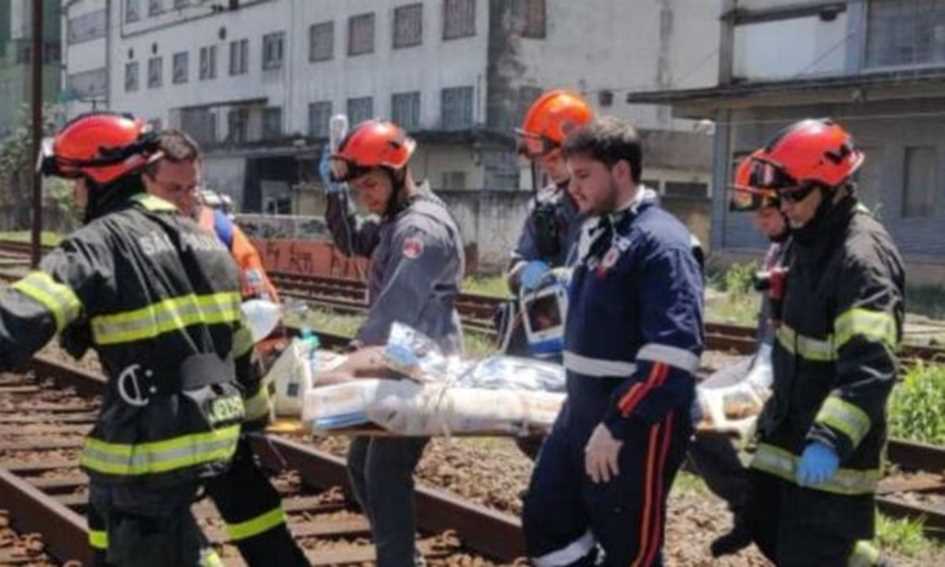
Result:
<point x="796" y="194"/>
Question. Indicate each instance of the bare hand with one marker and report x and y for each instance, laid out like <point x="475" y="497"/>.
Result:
<point x="600" y="455"/>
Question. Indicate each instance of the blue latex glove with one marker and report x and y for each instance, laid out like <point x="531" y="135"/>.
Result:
<point x="818" y="465"/>
<point x="324" y="171"/>
<point x="532" y="274"/>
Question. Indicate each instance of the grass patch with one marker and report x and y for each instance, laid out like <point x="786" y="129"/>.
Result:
<point x="494" y="286"/>
<point x="917" y="405"/>
<point x="46" y="238"/>
<point x="689" y="483"/>
<point x="904" y="536"/>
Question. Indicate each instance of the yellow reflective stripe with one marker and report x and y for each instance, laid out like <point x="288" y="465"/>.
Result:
<point x="844" y="417"/>
<point x="873" y="325"/>
<point x="98" y="539"/>
<point x="258" y="405"/>
<point x="783" y="464"/>
<point x="259" y="524"/>
<point x="152" y="203"/>
<point x="242" y="342"/>
<point x="167" y="315"/>
<point x="59" y="299"/>
<point x="160" y="456"/>
<point x="209" y="558"/>
<point x="807" y="347"/>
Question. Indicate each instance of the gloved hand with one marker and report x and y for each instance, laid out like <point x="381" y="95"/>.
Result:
<point x="818" y="465"/>
<point x="324" y="170"/>
<point x="532" y="274"/>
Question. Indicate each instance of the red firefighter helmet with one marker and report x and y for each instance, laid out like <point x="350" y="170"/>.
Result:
<point x="746" y="194"/>
<point x="101" y="146"/>
<point x="372" y="143"/>
<point x="549" y="120"/>
<point x="809" y="152"/>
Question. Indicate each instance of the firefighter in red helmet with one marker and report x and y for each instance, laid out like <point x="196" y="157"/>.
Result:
<point x="415" y="273"/>
<point x="159" y="301"/>
<point x="823" y="431"/>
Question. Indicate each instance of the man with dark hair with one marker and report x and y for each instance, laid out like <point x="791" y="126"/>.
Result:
<point x="249" y="504"/>
<point x="633" y="339"/>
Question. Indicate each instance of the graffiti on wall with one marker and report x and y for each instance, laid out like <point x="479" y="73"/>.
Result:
<point x="310" y="257"/>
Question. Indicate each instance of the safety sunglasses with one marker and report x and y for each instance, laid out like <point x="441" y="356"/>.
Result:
<point x="533" y="146"/>
<point x="796" y="194"/>
<point x="344" y="170"/>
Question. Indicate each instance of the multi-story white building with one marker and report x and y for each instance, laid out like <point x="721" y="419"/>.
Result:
<point x="85" y="76"/>
<point x="255" y="81"/>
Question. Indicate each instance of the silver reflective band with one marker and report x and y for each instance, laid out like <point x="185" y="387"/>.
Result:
<point x="673" y="356"/>
<point x="598" y="367"/>
<point x="567" y="555"/>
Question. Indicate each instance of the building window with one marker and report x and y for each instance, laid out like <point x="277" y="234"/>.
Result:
<point x="405" y="110"/>
<point x="239" y="57"/>
<point x="273" y="46"/>
<point x="155" y="7"/>
<point x="360" y="109"/>
<point x="131" y="76"/>
<point x="408" y="25"/>
<point x="459" y="18"/>
<point x="918" y="198"/>
<point x="88" y="83"/>
<point x="155" y="72"/>
<point x="321" y="41"/>
<point x="208" y="62"/>
<point x="132" y="11"/>
<point x="905" y="32"/>
<point x="181" y="4"/>
<point x="687" y="190"/>
<point x="454" y="180"/>
<point x="86" y="27"/>
<point x="181" y="73"/>
<point x="528" y="17"/>
<point x="456" y="106"/>
<point x="237" y="121"/>
<point x="319" y="117"/>
<point x="201" y="123"/>
<point x="272" y="123"/>
<point x="361" y="34"/>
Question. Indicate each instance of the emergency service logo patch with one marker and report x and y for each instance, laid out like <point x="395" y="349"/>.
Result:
<point x="413" y="247"/>
<point x="608" y="261"/>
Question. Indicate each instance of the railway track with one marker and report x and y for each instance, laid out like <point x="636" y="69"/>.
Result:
<point x="45" y="415"/>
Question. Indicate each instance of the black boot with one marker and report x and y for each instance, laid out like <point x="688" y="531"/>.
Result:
<point x="737" y="539"/>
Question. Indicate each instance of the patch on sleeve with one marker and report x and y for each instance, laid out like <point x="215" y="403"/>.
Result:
<point x="413" y="247"/>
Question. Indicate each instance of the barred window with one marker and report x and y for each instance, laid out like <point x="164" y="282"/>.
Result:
<point x="459" y="18"/>
<point x="273" y="50"/>
<point x="321" y="41"/>
<point x="405" y="110"/>
<point x="319" y="117"/>
<point x="208" y="62"/>
<point x="528" y="17"/>
<point x="456" y="106"/>
<point x="360" y="109"/>
<point x="905" y="32"/>
<point x="181" y="64"/>
<point x="155" y="72"/>
<point x="272" y="122"/>
<point x="237" y="123"/>
<point x="239" y="57"/>
<point x="86" y="27"/>
<point x="408" y="25"/>
<point x="132" y="11"/>
<point x="361" y="34"/>
<point x="131" y="76"/>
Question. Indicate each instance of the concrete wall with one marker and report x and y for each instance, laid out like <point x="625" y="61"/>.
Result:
<point x="817" y="47"/>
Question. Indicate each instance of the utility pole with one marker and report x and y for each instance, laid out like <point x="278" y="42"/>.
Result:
<point x="37" y="96"/>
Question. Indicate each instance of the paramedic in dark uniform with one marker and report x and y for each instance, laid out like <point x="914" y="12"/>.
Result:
<point x="249" y="504"/>
<point x="822" y="433"/>
<point x="415" y="273"/>
<point x="633" y="339"/>
<point x="158" y="300"/>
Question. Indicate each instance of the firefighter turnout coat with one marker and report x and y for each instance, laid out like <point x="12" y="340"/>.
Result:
<point x="159" y="300"/>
